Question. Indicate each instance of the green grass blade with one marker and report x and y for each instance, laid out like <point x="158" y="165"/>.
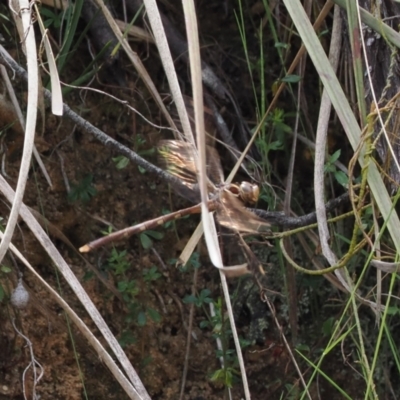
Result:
<point x="344" y="112"/>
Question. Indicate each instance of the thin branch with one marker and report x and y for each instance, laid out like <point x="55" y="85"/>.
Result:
<point x="278" y="218"/>
<point x="34" y="363"/>
<point x="9" y="62"/>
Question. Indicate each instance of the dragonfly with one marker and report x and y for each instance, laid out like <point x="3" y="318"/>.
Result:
<point x="227" y="200"/>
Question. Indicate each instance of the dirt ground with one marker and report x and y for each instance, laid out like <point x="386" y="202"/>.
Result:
<point x="159" y="350"/>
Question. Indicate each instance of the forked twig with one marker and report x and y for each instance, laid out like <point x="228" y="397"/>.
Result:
<point x="33" y="363"/>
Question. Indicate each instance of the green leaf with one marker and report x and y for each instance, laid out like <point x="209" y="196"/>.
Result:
<point x="5" y="269"/>
<point x="141" y="169"/>
<point x="335" y="156"/>
<point x="303" y="348"/>
<point x="224" y="376"/>
<point x="217" y="327"/>
<point x="194" y="260"/>
<point x="393" y="310"/>
<point x="2" y="293"/>
<point x="147" y="243"/>
<point x="218" y="375"/>
<point x="129" y="288"/>
<point x="342" y="178"/>
<point x="141" y="318"/>
<point x="120" y="162"/>
<point x="154" y="315"/>
<point x="189" y="299"/>
<point x="205" y="292"/>
<point x="155" y="234"/>
<point x="204" y="324"/>
<point x="281" y="45"/>
<point x="83" y="191"/>
<point x="107" y="231"/>
<point x="151" y="274"/>
<point x="291" y="78"/>
<point x="51" y="18"/>
<point x="327" y="327"/>
<point x="244" y="343"/>
<point x="126" y="339"/>
<point x="329" y="168"/>
<point x="122" y="286"/>
<point x="276" y="145"/>
<point x="282" y="127"/>
<point x="203" y="297"/>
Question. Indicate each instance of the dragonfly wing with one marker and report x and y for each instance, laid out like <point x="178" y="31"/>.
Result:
<point x="177" y="157"/>
<point x="233" y="215"/>
<point x="214" y="167"/>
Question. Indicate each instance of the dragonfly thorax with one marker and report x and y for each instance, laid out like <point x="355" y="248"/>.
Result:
<point x="249" y="192"/>
<point x="246" y="191"/>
